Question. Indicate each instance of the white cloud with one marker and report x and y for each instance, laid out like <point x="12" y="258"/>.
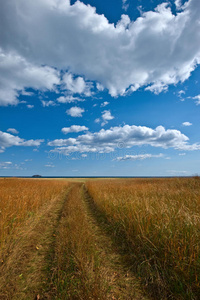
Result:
<point x="74" y="85"/>
<point x="197" y="98"/>
<point x="48" y="103"/>
<point x="106" y="141"/>
<point x="12" y="130"/>
<point x="125" y="5"/>
<point x="9" y="140"/>
<point x="75" y="111"/>
<point x="99" y="86"/>
<point x="97" y="120"/>
<point x="105" y="103"/>
<point x="186" y="124"/>
<point x="138" y="157"/>
<point x="17" y="74"/>
<point x="181" y="92"/>
<point x="106" y="116"/>
<point x="6" y="165"/>
<point x="74" y="128"/>
<point x="50" y="165"/>
<point x="68" y="99"/>
<point x="154" y="51"/>
<point x="157" y="87"/>
<point x="26" y="93"/>
<point x="30" y="106"/>
<point x="182" y="154"/>
<point x="178" y="4"/>
<point x="187" y="147"/>
<point x="177" y="173"/>
<point x="77" y="85"/>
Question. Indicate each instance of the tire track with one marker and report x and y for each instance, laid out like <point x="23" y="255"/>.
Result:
<point x="123" y="284"/>
<point x="23" y="271"/>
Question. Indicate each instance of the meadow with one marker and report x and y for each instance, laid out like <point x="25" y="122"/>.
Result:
<point x="21" y="198"/>
<point x="159" y="220"/>
<point x="100" y="239"/>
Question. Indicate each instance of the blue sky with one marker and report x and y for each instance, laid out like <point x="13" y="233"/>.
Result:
<point x="99" y="88"/>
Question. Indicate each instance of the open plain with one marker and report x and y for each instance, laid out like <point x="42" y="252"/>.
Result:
<point x="100" y="239"/>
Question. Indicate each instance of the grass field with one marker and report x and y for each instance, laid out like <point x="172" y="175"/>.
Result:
<point x="100" y="239"/>
<point x="21" y="198"/>
<point x="160" y="223"/>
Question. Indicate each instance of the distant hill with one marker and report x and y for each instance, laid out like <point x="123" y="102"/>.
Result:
<point x="36" y="176"/>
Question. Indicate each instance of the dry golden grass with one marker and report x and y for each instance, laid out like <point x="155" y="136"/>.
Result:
<point x="160" y="219"/>
<point x="21" y="198"/>
<point x="23" y="257"/>
<point x="156" y="221"/>
<point x="76" y="272"/>
<point x="85" y="266"/>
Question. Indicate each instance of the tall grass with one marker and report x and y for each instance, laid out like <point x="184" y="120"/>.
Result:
<point x="160" y="220"/>
<point x="76" y="273"/>
<point x="21" y="198"/>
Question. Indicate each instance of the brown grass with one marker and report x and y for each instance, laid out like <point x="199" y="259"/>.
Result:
<point x="85" y="265"/>
<point x="26" y="244"/>
<point x="160" y="220"/>
<point x="156" y="222"/>
<point x="22" y="198"/>
<point x="76" y="271"/>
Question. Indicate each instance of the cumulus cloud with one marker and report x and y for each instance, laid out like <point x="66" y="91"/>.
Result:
<point x="197" y="98"/>
<point x="105" y="103"/>
<point x="186" y="124"/>
<point x="154" y="51"/>
<point x="48" y="103"/>
<point x="106" y="116"/>
<point x="97" y="120"/>
<point x="138" y="157"/>
<point x="30" y="106"/>
<point x="125" y="5"/>
<point x="69" y="99"/>
<point x="181" y="92"/>
<point x="17" y="74"/>
<point x="74" y="128"/>
<point x="75" y="111"/>
<point x="9" y="140"/>
<point x="77" y="85"/>
<point x="12" y="130"/>
<point x="5" y="165"/>
<point x="180" y="95"/>
<point x="178" y="4"/>
<point x="127" y="136"/>
<point x="99" y="86"/>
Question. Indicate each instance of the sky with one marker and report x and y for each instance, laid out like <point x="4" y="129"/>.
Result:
<point x="99" y="88"/>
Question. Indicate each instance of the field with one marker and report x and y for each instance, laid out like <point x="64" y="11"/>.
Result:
<point x="100" y="239"/>
<point x="21" y="198"/>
